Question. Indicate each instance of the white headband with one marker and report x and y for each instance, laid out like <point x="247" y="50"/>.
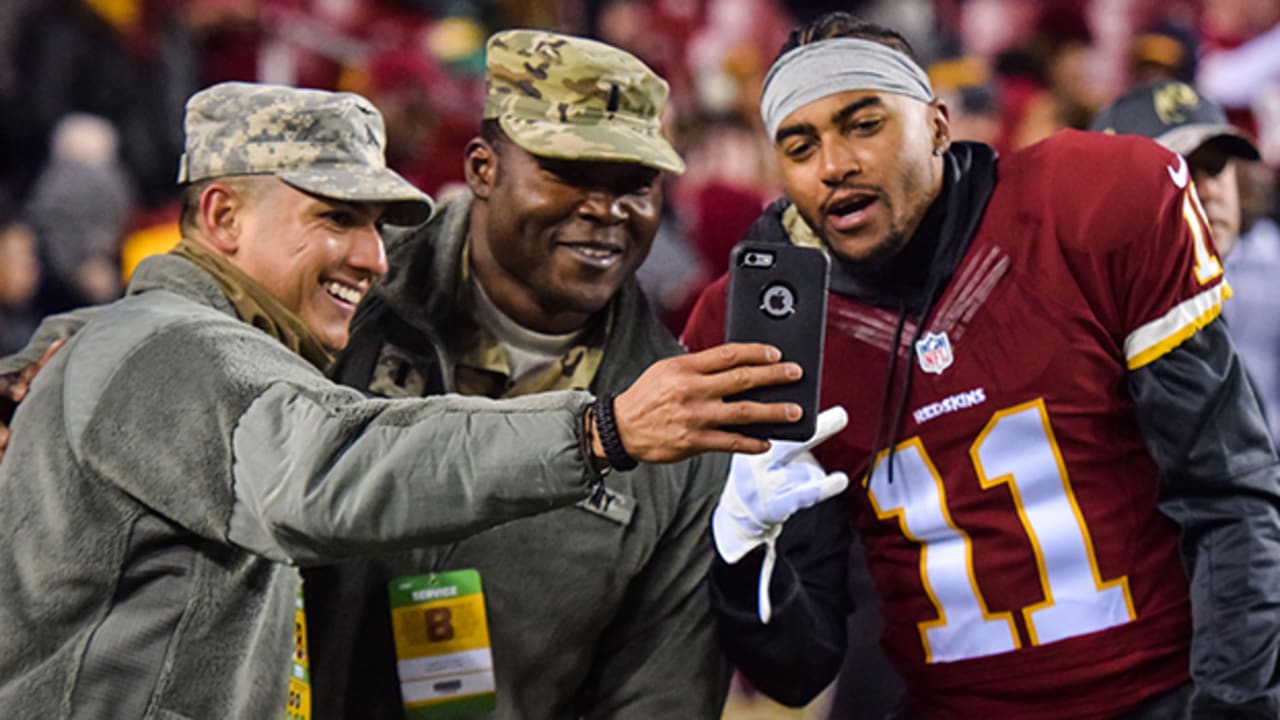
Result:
<point x="814" y="71"/>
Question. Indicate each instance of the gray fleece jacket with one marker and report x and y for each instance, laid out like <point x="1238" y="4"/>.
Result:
<point x="172" y="464"/>
<point x="600" y="610"/>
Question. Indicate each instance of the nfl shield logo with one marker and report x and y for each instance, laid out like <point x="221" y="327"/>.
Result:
<point x="934" y="351"/>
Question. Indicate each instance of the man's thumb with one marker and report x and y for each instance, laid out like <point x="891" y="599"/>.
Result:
<point x="832" y="485"/>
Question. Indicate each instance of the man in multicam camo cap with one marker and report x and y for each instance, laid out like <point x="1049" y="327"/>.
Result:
<point x="568" y="98"/>
<point x="183" y="452"/>
<point x="595" y="610"/>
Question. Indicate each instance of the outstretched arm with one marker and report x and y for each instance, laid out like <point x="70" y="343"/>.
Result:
<point x="318" y="472"/>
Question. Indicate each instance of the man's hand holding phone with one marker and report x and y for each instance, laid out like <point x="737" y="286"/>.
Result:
<point x="677" y="408"/>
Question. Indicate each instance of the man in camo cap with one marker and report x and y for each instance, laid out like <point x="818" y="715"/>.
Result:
<point x="596" y="610"/>
<point x="573" y="99"/>
<point x="175" y="461"/>
<point x="324" y="143"/>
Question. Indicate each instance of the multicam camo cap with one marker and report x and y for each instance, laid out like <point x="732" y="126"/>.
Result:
<point x="325" y="143"/>
<point x="570" y="98"/>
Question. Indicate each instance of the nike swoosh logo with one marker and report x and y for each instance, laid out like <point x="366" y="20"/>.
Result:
<point x="1179" y="176"/>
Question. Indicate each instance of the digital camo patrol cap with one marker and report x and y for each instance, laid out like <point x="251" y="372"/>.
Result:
<point x="325" y="143"/>
<point x="570" y="98"/>
<point x="1173" y="114"/>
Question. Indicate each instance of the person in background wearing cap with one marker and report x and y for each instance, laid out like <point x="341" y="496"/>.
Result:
<point x="1071" y="504"/>
<point x="184" y="450"/>
<point x="1173" y="114"/>
<point x="523" y="286"/>
<point x="1178" y="117"/>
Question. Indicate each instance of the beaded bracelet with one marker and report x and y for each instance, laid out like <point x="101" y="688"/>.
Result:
<point x="607" y="428"/>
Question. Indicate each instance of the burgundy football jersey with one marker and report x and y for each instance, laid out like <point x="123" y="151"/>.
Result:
<point x="1017" y="550"/>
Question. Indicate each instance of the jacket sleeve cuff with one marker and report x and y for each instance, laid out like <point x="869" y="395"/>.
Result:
<point x="735" y="587"/>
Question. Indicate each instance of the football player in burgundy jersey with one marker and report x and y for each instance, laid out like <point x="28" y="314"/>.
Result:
<point x="1064" y="482"/>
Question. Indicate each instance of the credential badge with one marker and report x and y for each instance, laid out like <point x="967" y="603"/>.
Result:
<point x="934" y="351"/>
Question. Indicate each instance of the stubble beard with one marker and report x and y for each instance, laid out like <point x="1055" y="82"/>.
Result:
<point x="878" y="254"/>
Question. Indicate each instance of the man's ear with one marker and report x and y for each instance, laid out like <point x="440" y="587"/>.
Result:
<point x="220" y="217"/>
<point x="940" y="124"/>
<point x="481" y="166"/>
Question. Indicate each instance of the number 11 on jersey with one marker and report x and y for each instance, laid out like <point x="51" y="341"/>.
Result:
<point x="1016" y="448"/>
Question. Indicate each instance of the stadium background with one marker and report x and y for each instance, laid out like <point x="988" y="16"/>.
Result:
<point x="91" y="95"/>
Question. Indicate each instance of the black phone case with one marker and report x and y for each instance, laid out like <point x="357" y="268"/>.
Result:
<point x="778" y="295"/>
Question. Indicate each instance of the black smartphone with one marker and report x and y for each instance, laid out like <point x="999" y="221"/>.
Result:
<point x="778" y="295"/>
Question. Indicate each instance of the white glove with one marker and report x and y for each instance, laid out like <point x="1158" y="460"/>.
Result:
<point x="764" y="490"/>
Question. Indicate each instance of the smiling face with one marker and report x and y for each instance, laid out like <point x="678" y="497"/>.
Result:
<point x="553" y="240"/>
<point x="861" y="169"/>
<point x="317" y="256"/>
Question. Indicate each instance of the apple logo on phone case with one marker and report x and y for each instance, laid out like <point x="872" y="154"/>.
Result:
<point x="778" y="301"/>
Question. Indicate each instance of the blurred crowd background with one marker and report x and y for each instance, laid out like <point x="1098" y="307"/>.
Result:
<point x="91" y="97"/>
<point x="92" y="92"/>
